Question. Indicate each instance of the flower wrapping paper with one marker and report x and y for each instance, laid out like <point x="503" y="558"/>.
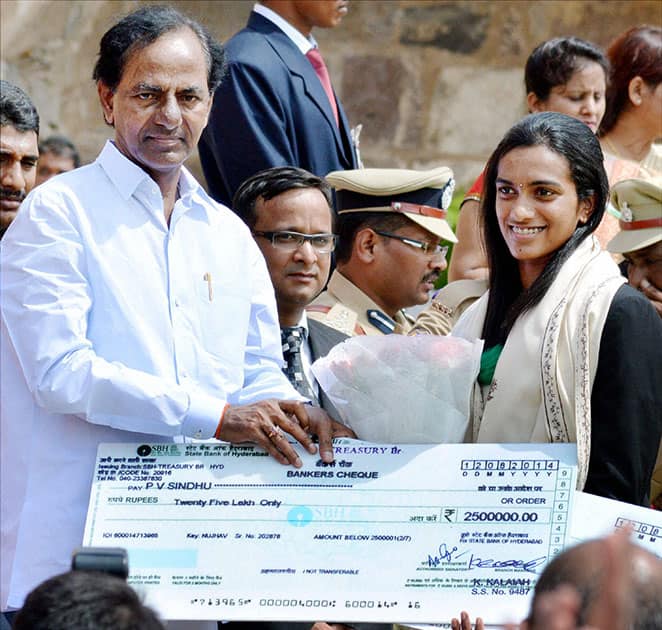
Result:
<point x="399" y="389"/>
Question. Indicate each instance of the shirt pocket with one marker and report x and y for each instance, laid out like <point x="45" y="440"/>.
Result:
<point x="223" y="313"/>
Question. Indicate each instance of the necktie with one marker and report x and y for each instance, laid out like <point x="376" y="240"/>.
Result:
<point x="292" y="338"/>
<point x="319" y="66"/>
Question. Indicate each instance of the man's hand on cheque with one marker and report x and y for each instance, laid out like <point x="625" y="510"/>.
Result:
<point x="266" y="422"/>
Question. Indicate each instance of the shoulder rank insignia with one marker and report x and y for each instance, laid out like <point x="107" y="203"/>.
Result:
<point x="381" y="322"/>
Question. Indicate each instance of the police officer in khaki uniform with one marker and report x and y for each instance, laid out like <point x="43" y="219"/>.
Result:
<point x="640" y="241"/>
<point x="639" y="202"/>
<point x="388" y="256"/>
<point x="446" y="307"/>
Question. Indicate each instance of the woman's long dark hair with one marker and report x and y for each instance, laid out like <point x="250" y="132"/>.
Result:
<point x="574" y="141"/>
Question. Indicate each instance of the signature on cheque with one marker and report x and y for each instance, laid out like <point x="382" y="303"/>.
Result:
<point x="444" y="553"/>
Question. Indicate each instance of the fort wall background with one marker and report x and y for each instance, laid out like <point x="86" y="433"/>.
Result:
<point x="432" y="81"/>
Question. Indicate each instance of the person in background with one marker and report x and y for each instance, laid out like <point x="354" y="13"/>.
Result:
<point x="19" y="150"/>
<point x="289" y="213"/>
<point x="640" y="241"/>
<point x="566" y="75"/>
<point x="389" y="256"/>
<point x="639" y="202"/>
<point x="633" y="119"/>
<point x="276" y="106"/>
<point x="85" y="600"/>
<point x="586" y="570"/>
<point x="134" y="308"/>
<point x="57" y="154"/>
<point x="603" y="584"/>
<point x="572" y="354"/>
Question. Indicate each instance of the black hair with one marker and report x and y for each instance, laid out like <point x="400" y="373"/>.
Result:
<point x="60" y="146"/>
<point x="272" y="182"/>
<point x="143" y="27"/>
<point x="554" y="62"/>
<point x="16" y="109"/>
<point x="578" y="145"/>
<point x="351" y="223"/>
<point x="85" y="600"/>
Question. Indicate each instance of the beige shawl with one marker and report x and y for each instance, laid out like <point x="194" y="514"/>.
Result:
<point x="541" y="391"/>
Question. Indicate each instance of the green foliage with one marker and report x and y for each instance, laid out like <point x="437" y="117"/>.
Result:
<point x="453" y="211"/>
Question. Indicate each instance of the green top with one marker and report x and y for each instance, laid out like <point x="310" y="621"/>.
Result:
<point x="488" y="362"/>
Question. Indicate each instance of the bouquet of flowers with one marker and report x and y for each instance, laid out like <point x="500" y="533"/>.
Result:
<point x="399" y="389"/>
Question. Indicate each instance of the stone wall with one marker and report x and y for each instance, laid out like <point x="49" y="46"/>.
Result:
<point x="432" y="81"/>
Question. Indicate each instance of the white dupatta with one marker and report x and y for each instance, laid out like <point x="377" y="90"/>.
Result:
<point x="541" y="390"/>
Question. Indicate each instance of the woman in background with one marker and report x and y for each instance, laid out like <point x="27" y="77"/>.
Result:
<point x="633" y="118"/>
<point x="566" y="75"/>
<point x="572" y="354"/>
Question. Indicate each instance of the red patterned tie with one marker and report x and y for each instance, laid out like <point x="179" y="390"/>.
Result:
<point x="319" y="66"/>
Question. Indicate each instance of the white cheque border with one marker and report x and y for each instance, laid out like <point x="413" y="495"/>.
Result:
<point x="394" y="533"/>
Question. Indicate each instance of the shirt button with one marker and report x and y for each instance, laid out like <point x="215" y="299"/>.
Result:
<point x="177" y="303"/>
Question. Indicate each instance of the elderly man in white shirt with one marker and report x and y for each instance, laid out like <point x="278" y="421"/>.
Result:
<point x="134" y="308"/>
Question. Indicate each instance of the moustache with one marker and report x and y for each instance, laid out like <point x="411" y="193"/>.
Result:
<point x="301" y="269"/>
<point x="430" y="277"/>
<point x="10" y="193"/>
<point x="173" y="134"/>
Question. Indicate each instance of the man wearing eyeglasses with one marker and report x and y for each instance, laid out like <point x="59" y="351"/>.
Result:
<point x="288" y="211"/>
<point x="389" y="253"/>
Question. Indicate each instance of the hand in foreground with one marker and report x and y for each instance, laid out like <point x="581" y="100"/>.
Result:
<point x="464" y="622"/>
<point x="325" y="428"/>
<point x="653" y="294"/>
<point x="265" y="421"/>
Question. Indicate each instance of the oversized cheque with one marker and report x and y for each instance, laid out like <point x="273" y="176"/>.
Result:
<point x="404" y="533"/>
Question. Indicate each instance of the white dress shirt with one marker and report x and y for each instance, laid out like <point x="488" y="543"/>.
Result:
<point x="117" y="328"/>
<point x="303" y="43"/>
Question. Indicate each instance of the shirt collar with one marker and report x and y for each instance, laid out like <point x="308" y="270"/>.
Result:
<point x="348" y="293"/>
<point x="127" y="176"/>
<point x="122" y="172"/>
<point x="303" y="322"/>
<point x="188" y="185"/>
<point x="303" y="43"/>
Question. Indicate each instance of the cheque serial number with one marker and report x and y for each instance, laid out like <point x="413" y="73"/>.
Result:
<point x="298" y="603"/>
<point x="507" y="517"/>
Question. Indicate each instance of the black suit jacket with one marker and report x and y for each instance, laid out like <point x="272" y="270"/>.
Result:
<point x="321" y="339"/>
<point x="270" y="110"/>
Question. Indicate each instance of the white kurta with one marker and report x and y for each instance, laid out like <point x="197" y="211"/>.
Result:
<point x="117" y="328"/>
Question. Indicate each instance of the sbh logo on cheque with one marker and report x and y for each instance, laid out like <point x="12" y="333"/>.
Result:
<point x="168" y="450"/>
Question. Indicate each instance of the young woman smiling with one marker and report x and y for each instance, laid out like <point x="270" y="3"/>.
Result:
<point x="571" y="352"/>
<point x="564" y="74"/>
